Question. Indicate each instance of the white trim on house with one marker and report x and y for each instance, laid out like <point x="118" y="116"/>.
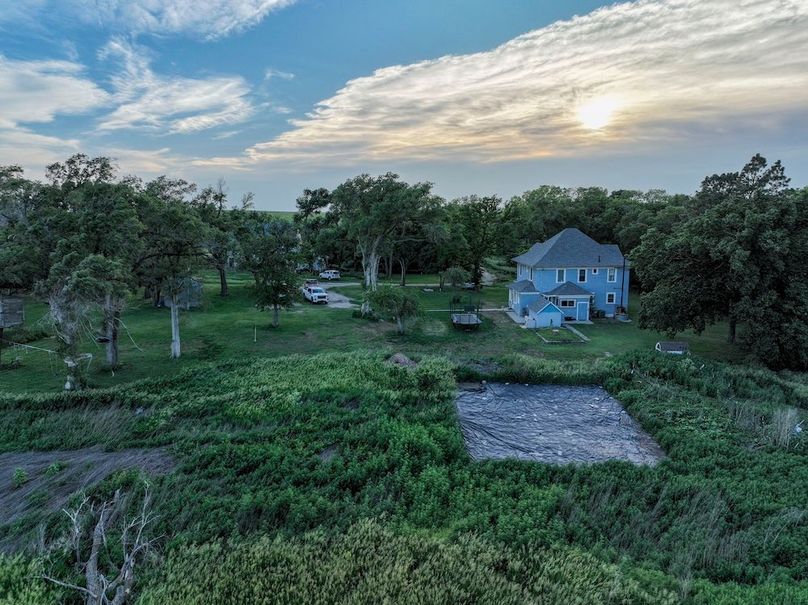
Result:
<point x="578" y="276"/>
<point x="611" y="275"/>
<point x="563" y="276"/>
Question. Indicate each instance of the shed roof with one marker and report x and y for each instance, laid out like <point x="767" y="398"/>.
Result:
<point x="568" y="289"/>
<point x="523" y="285"/>
<point x="571" y="248"/>
<point x="537" y="306"/>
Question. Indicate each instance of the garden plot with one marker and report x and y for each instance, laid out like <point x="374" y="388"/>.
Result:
<point x="551" y="423"/>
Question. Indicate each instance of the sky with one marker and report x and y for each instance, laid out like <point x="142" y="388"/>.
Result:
<point x="476" y="96"/>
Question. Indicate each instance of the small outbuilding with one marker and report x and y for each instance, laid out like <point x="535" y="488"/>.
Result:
<point x="544" y="314"/>
<point x="11" y="312"/>
<point x="672" y="347"/>
<point x="189" y="296"/>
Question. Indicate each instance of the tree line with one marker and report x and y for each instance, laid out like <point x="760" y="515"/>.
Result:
<point x="85" y="239"/>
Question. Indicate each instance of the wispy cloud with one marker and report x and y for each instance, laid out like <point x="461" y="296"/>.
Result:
<point x="207" y="19"/>
<point x="652" y="71"/>
<point x="276" y="73"/>
<point x="146" y="100"/>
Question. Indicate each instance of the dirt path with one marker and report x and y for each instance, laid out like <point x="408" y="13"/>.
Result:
<point x="337" y="300"/>
<point x="52" y="477"/>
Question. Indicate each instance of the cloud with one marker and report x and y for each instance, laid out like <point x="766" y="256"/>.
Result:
<point x="36" y="91"/>
<point x="208" y="19"/>
<point x="625" y="76"/>
<point x="146" y="100"/>
<point x="276" y="73"/>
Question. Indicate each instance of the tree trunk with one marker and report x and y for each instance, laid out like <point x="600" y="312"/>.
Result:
<point x="733" y="328"/>
<point x="111" y="318"/>
<point x="1" y="345"/>
<point x="223" y="289"/>
<point x="175" y="326"/>
<point x="403" y="272"/>
<point x="155" y="293"/>
<point x="276" y="319"/>
<point x="400" y="324"/>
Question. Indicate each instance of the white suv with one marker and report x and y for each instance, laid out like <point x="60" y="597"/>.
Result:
<point x="330" y="274"/>
<point x="315" y="294"/>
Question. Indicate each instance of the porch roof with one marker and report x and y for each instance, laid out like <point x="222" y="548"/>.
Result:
<point x="523" y="285"/>
<point x="568" y="289"/>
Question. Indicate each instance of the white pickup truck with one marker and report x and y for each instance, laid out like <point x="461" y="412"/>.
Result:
<point x="314" y="294"/>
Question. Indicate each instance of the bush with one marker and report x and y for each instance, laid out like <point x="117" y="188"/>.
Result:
<point x="19" y="478"/>
<point x="370" y="564"/>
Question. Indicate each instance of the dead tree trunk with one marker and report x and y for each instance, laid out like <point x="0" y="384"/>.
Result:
<point x="276" y="320"/>
<point x="112" y="586"/>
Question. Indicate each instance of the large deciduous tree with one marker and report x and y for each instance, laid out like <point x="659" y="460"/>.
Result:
<point x="173" y="245"/>
<point x="738" y="257"/>
<point x="219" y="239"/>
<point x="372" y="210"/>
<point x="480" y="219"/>
<point x="270" y="251"/>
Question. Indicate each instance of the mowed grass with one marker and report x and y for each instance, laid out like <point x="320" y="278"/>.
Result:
<point x="232" y="328"/>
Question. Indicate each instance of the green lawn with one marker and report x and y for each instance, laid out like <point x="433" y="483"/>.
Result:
<point x="231" y="328"/>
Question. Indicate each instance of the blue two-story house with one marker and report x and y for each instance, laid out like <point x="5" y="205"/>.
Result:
<point x="568" y="278"/>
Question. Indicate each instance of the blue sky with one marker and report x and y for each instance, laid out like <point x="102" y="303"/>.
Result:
<point x="488" y="97"/>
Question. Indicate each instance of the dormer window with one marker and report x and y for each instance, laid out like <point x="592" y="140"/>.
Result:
<point x="560" y="276"/>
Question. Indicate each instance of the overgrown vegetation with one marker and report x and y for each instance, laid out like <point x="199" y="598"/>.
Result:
<point x="284" y="447"/>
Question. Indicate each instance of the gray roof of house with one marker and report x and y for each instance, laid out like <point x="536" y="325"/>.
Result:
<point x="524" y="285"/>
<point x="571" y="248"/>
<point x="537" y="305"/>
<point x="568" y="289"/>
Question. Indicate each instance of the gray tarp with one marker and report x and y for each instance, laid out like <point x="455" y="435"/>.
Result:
<point x="551" y="423"/>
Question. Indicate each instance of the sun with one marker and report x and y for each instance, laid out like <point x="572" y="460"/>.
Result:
<point x="597" y="113"/>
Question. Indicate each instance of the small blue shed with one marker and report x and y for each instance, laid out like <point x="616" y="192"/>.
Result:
<point x="544" y="314"/>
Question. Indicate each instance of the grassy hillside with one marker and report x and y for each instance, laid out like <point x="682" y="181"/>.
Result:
<point x="345" y="474"/>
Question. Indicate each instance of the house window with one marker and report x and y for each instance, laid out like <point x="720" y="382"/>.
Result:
<point x="610" y="298"/>
<point x="566" y="302"/>
<point x="560" y="277"/>
<point x="581" y="276"/>
<point x="611" y="275"/>
<point x="531" y="274"/>
<point x="595" y="271"/>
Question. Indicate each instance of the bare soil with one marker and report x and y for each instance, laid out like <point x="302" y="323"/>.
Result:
<point x="47" y="491"/>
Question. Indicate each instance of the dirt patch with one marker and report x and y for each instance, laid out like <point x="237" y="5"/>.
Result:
<point x="52" y="477"/>
<point x="553" y="424"/>
<point x="400" y="359"/>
